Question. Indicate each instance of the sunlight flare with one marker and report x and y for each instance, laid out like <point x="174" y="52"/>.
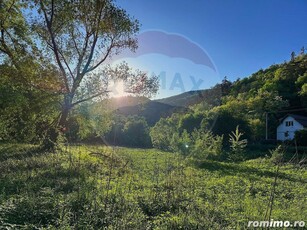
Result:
<point x="118" y="89"/>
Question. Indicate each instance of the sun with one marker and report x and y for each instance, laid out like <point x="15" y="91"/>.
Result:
<point x="118" y="89"/>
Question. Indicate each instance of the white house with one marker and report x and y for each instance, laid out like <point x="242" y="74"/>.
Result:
<point x="289" y="125"/>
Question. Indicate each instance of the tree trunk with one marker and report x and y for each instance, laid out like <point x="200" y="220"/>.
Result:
<point x="63" y="119"/>
<point x="51" y="140"/>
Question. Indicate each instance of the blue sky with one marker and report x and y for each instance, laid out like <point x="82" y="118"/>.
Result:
<point x="240" y="37"/>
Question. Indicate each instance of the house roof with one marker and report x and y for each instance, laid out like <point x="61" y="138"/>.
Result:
<point x="301" y="119"/>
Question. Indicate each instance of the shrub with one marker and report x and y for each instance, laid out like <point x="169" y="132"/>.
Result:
<point x="200" y="144"/>
<point x="237" y="146"/>
<point x="206" y="145"/>
<point x="162" y="134"/>
<point x="301" y="137"/>
<point x="136" y="132"/>
<point x="181" y="143"/>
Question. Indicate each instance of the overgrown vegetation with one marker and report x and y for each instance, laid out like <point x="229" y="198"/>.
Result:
<point x="209" y="168"/>
<point x="92" y="187"/>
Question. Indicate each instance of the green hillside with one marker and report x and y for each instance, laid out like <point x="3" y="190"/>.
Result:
<point x="211" y="96"/>
<point x="275" y="91"/>
<point x="152" y="111"/>
<point x="288" y="80"/>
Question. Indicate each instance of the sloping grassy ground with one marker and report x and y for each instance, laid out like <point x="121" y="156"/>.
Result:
<point x="92" y="187"/>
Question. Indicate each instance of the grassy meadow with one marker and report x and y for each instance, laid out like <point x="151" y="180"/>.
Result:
<point x="96" y="187"/>
<point x="206" y="146"/>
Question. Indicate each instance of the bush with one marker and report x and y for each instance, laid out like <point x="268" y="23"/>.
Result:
<point x="162" y="134"/>
<point x="132" y="131"/>
<point x="301" y="137"/>
<point x="181" y="143"/>
<point x="136" y="133"/>
<point x="200" y="144"/>
<point x="206" y="145"/>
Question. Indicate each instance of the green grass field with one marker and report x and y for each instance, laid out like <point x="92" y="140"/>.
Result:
<point x="94" y="187"/>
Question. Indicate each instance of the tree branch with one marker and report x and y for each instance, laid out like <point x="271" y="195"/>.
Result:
<point x="80" y="59"/>
<point x="2" y="50"/>
<point x="75" y="43"/>
<point x="95" y="32"/>
<point x="91" y="97"/>
<point x="9" y="9"/>
<point x="54" y="45"/>
<point x="85" y="69"/>
<point x="67" y="65"/>
<point x="102" y="60"/>
<point x="7" y="50"/>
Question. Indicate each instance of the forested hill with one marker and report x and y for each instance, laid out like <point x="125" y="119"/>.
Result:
<point x="287" y="80"/>
<point x="126" y="101"/>
<point x="276" y="91"/>
<point x="210" y="96"/>
<point x="152" y="111"/>
<point x="281" y="86"/>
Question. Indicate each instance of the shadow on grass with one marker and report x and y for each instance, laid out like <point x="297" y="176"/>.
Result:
<point x="64" y="180"/>
<point x="249" y="172"/>
<point x="15" y="151"/>
<point x="28" y="168"/>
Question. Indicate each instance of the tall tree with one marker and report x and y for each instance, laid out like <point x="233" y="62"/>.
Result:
<point x="77" y="37"/>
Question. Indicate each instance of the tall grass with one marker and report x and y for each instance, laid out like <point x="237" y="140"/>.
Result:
<point x="95" y="187"/>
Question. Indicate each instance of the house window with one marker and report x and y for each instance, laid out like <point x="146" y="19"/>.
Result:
<point x="289" y="123"/>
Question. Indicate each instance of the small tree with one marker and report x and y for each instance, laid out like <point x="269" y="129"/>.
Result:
<point x="277" y="155"/>
<point x="237" y="145"/>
